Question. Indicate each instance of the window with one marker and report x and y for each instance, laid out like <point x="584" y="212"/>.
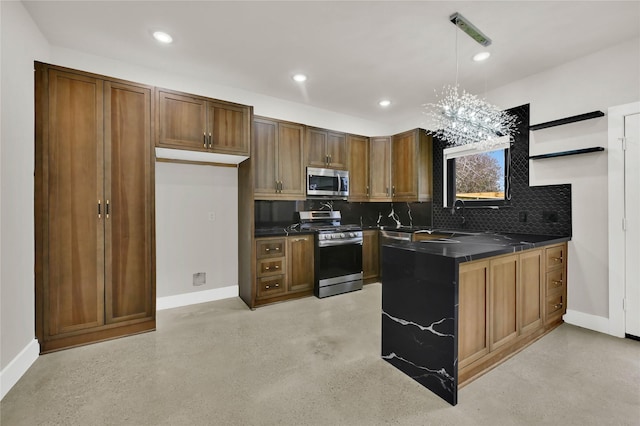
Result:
<point x="476" y="175"/>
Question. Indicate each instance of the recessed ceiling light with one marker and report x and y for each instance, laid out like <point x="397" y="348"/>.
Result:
<point x="384" y="103"/>
<point x="482" y="56"/>
<point x="300" y="78"/>
<point x="162" y="37"/>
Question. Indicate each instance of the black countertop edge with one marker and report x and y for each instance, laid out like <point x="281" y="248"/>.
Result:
<point x="474" y="247"/>
<point x="280" y="232"/>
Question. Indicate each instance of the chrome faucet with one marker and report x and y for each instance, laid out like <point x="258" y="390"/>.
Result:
<point x="456" y="207"/>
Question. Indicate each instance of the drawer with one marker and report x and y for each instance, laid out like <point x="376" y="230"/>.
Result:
<point x="555" y="305"/>
<point x="270" y="286"/>
<point x="267" y="267"/>
<point x="555" y="281"/>
<point x="270" y="248"/>
<point x="556" y="256"/>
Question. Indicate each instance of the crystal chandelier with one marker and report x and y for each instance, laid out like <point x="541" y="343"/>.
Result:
<point x="463" y="118"/>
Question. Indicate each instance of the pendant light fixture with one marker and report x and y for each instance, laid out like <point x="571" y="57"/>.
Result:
<point x="463" y="118"/>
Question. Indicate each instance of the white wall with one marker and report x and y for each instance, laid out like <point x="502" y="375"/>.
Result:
<point x="595" y="82"/>
<point x="187" y="241"/>
<point x="22" y="42"/>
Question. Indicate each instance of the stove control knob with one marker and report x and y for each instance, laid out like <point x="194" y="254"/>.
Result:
<point x="351" y="234"/>
<point x="341" y="235"/>
<point x="321" y="237"/>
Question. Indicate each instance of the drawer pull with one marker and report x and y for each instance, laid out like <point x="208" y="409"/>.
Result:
<point x="267" y="249"/>
<point x="277" y="267"/>
<point x="557" y="259"/>
<point x="558" y="306"/>
<point x="277" y="248"/>
<point x="557" y="283"/>
<point x="266" y="268"/>
<point x="267" y="287"/>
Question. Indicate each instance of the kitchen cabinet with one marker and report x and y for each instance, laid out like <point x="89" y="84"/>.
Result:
<point x="358" y="148"/>
<point x="555" y="290"/>
<point x="380" y="169"/>
<point x="300" y="263"/>
<point x="411" y="166"/>
<point x="201" y="124"/>
<point x="284" y="268"/>
<point x="501" y="305"/>
<point x="370" y="255"/>
<point x="326" y="148"/>
<point x="277" y="156"/>
<point x="94" y="208"/>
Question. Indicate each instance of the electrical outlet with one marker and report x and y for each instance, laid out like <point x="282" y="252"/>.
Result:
<point x="199" y="278"/>
<point x="549" y="216"/>
<point x="522" y="216"/>
<point x="212" y="216"/>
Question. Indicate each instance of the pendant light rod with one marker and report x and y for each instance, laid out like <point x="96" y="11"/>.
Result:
<point x="471" y="30"/>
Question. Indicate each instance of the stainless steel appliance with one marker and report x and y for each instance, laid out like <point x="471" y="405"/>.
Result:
<point x="337" y="254"/>
<point x="328" y="183"/>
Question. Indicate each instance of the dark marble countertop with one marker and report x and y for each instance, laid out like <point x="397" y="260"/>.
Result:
<point x="280" y="231"/>
<point x="467" y="246"/>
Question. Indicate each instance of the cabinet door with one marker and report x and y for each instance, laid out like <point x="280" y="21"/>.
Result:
<point x="291" y="170"/>
<point x="403" y="165"/>
<point x="182" y="122"/>
<point x="316" y="147"/>
<point x="264" y="152"/>
<point x="358" y="147"/>
<point x="503" y="310"/>
<point x="370" y="254"/>
<point x="337" y="150"/>
<point x="74" y="231"/>
<point x="380" y="169"/>
<point x="473" y="331"/>
<point x="229" y="128"/>
<point x="129" y="193"/>
<point x="300" y="263"/>
<point x="531" y="290"/>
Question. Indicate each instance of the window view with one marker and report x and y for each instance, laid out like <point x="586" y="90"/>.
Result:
<point x="476" y="174"/>
<point x="480" y="176"/>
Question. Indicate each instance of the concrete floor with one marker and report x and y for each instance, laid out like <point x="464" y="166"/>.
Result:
<point x="314" y="362"/>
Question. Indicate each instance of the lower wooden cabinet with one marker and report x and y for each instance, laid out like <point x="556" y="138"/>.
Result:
<point x="284" y="268"/>
<point x="370" y="255"/>
<point x="506" y="303"/>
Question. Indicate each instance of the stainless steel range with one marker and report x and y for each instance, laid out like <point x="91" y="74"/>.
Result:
<point x="338" y="253"/>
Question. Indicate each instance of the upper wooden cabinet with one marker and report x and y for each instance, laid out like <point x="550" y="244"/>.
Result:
<point x="326" y="148"/>
<point x="411" y="165"/>
<point x="94" y="208"/>
<point x="358" y="148"/>
<point x="380" y="169"/>
<point x="277" y="156"/>
<point x="201" y="124"/>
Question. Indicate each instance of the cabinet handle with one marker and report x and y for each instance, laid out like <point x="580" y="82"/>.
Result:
<point x="557" y="283"/>
<point x="367" y="190"/>
<point x="277" y="248"/>
<point x="267" y="249"/>
<point x="277" y="285"/>
<point x="210" y="141"/>
<point x="557" y="259"/>
<point x="558" y="306"/>
<point x="204" y="140"/>
<point x="107" y="212"/>
<point x="393" y="191"/>
<point x="277" y="267"/>
<point x="267" y="287"/>
<point x="266" y="268"/>
<point x="99" y="209"/>
<point x="299" y="239"/>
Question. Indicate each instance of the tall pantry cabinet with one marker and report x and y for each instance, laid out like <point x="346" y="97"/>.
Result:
<point x="94" y="208"/>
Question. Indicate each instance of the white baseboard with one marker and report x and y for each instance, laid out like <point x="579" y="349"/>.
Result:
<point x="185" y="299"/>
<point x="592" y="322"/>
<point x="19" y="365"/>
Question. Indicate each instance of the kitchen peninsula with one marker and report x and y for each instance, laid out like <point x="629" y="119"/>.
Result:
<point x="458" y="304"/>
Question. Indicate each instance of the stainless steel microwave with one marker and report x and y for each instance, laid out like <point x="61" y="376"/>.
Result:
<point x="327" y="183"/>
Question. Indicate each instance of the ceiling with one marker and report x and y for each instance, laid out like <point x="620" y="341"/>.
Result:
<point x="354" y="52"/>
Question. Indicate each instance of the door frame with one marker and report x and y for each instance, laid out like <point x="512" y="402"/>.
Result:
<point x="615" y="156"/>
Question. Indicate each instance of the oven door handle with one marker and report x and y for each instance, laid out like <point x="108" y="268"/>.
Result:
<point x="330" y="243"/>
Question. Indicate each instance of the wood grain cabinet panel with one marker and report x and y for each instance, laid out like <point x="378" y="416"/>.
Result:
<point x="503" y="301"/>
<point x="201" y="124"/>
<point x="277" y="155"/>
<point x="358" y="148"/>
<point x="411" y="166"/>
<point x="326" y="148"/>
<point x="94" y="210"/>
<point x="473" y="342"/>
<point x="300" y="263"/>
<point x="380" y="169"/>
<point x="370" y="254"/>
<point x="531" y="291"/>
